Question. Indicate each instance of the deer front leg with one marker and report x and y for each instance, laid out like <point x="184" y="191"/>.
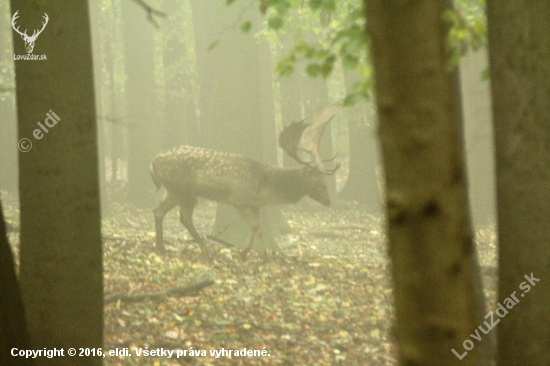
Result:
<point x="252" y="215"/>
<point x="168" y="203"/>
<point x="186" y="218"/>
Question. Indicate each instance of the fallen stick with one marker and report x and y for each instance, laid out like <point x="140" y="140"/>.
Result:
<point x="179" y="291"/>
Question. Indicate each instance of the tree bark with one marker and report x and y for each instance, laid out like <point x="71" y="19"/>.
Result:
<point x="61" y="258"/>
<point x="8" y="131"/>
<point x="519" y="36"/>
<point x="430" y="239"/>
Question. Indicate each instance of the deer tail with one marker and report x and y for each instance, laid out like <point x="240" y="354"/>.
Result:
<point x="155" y="180"/>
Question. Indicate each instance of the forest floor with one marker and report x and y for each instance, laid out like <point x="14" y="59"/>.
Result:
<point x="326" y="301"/>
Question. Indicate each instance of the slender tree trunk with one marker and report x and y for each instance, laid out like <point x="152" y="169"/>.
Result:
<point x="291" y="96"/>
<point x="61" y="258"/>
<point x="479" y="134"/>
<point x="430" y="239"/>
<point x="362" y="182"/>
<point x="180" y="122"/>
<point x="8" y="131"/>
<point x="520" y="76"/>
<point x="315" y="94"/>
<point x="144" y="128"/>
<point x="277" y="225"/>
<point x="118" y="136"/>
<point x="231" y="91"/>
<point x="205" y="21"/>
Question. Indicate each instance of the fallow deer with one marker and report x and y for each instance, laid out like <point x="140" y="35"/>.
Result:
<point x="188" y="173"/>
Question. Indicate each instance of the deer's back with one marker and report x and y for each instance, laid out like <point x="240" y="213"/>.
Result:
<point x="197" y="172"/>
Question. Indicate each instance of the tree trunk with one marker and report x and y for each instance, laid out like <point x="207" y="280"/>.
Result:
<point x="144" y="128"/>
<point x="430" y="239"/>
<point x="478" y="131"/>
<point x="61" y="259"/>
<point x="276" y="224"/>
<point x="8" y="132"/>
<point x="362" y="182"/>
<point x="14" y="332"/>
<point x="180" y="122"/>
<point x="315" y="94"/>
<point x="235" y="118"/>
<point x="291" y="95"/>
<point x="95" y="14"/>
<point x="520" y="76"/>
<point x="206" y="26"/>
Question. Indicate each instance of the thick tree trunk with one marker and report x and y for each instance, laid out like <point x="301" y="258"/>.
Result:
<point x="520" y="76"/>
<point x="61" y="258"/>
<point x="429" y="233"/>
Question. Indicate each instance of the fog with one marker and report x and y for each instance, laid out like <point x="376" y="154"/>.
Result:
<point x="315" y="287"/>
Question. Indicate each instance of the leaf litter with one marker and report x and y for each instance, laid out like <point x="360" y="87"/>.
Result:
<point x="327" y="301"/>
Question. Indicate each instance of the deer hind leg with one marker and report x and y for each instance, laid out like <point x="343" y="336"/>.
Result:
<point x="187" y="207"/>
<point x="252" y="215"/>
<point x="168" y="203"/>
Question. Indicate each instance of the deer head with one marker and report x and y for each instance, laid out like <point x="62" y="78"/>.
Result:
<point x="305" y="135"/>
<point x="29" y="40"/>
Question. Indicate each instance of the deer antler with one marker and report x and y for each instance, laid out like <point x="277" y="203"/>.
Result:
<point x="305" y="136"/>
<point x="36" y="33"/>
<point x="13" y="19"/>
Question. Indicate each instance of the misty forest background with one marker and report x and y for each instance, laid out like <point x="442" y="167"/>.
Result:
<point x="448" y="150"/>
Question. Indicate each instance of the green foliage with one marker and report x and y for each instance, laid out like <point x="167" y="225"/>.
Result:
<point x="325" y="32"/>
<point x="246" y="26"/>
<point x="468" y="28"/>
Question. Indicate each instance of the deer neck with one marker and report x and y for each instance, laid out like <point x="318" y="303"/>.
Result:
<point x="281" y="185"/>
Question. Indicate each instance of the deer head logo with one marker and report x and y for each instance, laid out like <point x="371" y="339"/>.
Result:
<point x="29" y="40"/>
